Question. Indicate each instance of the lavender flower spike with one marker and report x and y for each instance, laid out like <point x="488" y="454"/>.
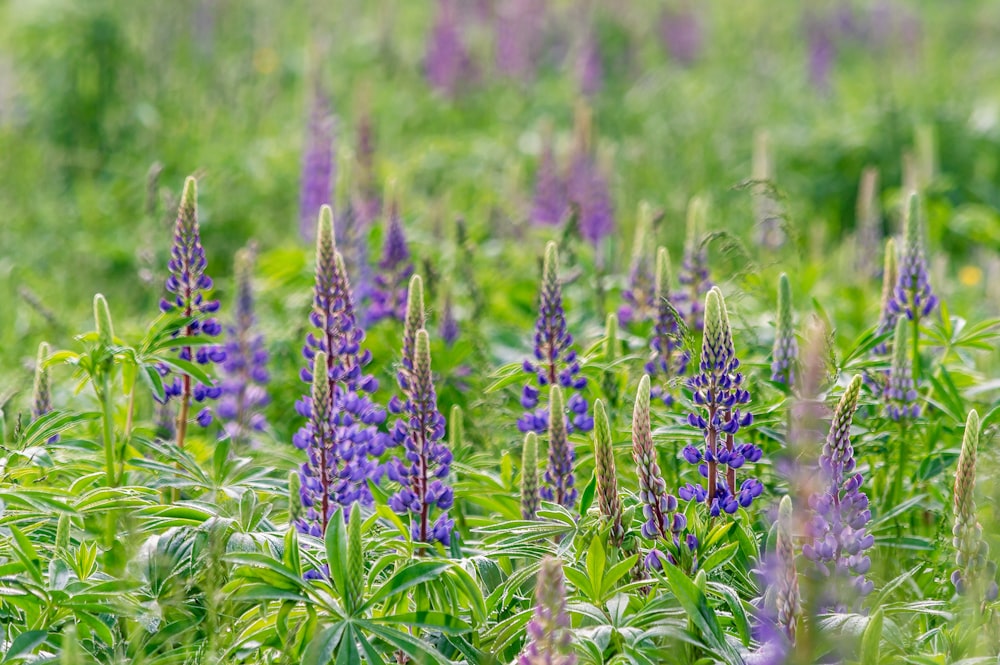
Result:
<point x="550" y="639"/>
<point x="318" y="474"/>
<point x="245" y="367"/>
<point x="609" y="502"/>
<point x="190" y="286"/>
<point x="901" y="390"/>
<point x="449" y="325"/>
<point x="840" y="515"/>
<point x="656" y="503"/>
<point x="788" y="601"/>
<point x="786" y="351"/>
<point x="890" y="275"/>
<point x="41" y="396"/>
<point x="529" y="477"/>
<point x="559" y="478"/>
<point x="669" y="358"/>
<point x="640" y="296"/>
<point x="389" y="294"/>
<point x="447" y="63"/>
<point x="693" y="275"/>
<point x="976" y="574"/>
<point x="424" y="473"/>
<point x="913" y="295"/>
<point x="550" y="206"/>
<point x="318" y="165"/>
<point x="555" y="361"/>
<point x="718" y="391"/>
<point x="413" y="321"/>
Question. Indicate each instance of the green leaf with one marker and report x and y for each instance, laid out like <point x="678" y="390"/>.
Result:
<point x="596" y="560"/>
<point x="720" y="557"/>
<point x="696" y="606"/>
<point x="416" y="649"/>
<point x="323" y="645"/>
<point x="587" y="497"/>
<point x="26" y="554"/>
<point x="872" y="639"/>
<point x="336" y="551"/>
<point x="440" y="621"/>
<point x="405" y="578"/>
<point x="617" y="572"/>
<point x="24" y="644"/>
<point x="348" y="654"/>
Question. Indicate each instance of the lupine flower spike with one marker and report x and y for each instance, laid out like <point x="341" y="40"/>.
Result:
<point x="608" y="501"/>
<point x="549" y="206"/>
<point x="41" y="396"/>
<point x="693" y="276"/>
<point x="640" y="296"/>
<point x="550" y="641"/>
<point x="838" y="527"/>
<point x="190" y="286"/>
<point x="559" y="478"/>
<point x="669" y="357"/>
<point x="424" y="473"/>
<point x="519" y="30"/>
<point x="889" y="313"/>
<point x="913" y="295"/>
<point x="657" y="504"/>
<point x="353" y="443"/>
<point x="975" y="576"/>
<point x="448" y="325"/>
<point x="447" y="63"/>
<point x="395" y="268"/>
<point x="788" y="601"/>
<point x="529" y="477"/>
<point x="318" y="165"/>
<point x="318" y="473"/>
<point x="245" y="367"/>
<point x="719" y="392"/>
<point x="786" y="352"/>
<point x="901" y="390"/>
<point x="555" y="361"/>
<point x="413" y="321"/>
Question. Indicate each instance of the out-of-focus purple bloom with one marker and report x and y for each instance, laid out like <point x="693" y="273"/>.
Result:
<point x="822" y="51"/>
<point x="840" y="516"/>
<point x="781" y="605"/>
<point x="640" y="296"/>
<point x="343" y="449"/>
<point x="718" y="391"/>
<point x="550" y="640"/>
<point x="519" y="26"/>
<point x="900" y="393"/>
<point x="190" y="286"/>
<point x="550" y="205"/>
<point x="889" y="312"/>
<point x="913" y="295"/>
<point x="245" y="368"/>
<point x="449" y="325"/>
<point x="369" y="203"/>
<point x="693" y="275"/>
<point x="589" y="67"/>
<point x="423" y="472"/>
<point x="395" y="267"/>
<point x="669" y="357"/>
<point x="318" y="165"/>
<point x="447" y="63"/>
<point x="681" y="31"/>
<point x="555" y="360"/>
<point x="587" y="188"/>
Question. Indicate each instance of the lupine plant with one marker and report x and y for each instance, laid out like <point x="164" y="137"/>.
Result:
<point x="786" y="351"/>
<point x="694" y="273"/>
<point x="388" y="299"/>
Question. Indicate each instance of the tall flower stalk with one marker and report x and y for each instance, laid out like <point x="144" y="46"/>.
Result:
<point x="640" y="296"/>
<point x="900" y="393"/>
<point x="913" y="295"/>
<point x="41" y="394"/>
<point x="550" y="640"/>
<point x="395" y="268"/>
<point x="190" y="287"/>
<point x="559" y="479"/>
<point x="975" y="576"/>
<point x="669" y="359"/>
<point x="608" y="501"/>
<point x="838" y="528"/>
<point x="447" y="63"/>
<point x="318" y="164"/>
<point x="555" y="360"/>
<point x="693" y="276"/>
<point x="788" y="600"/>
<point x="889" y="313"/>
<point x="719" y="393"/>
<point x="245" y="369"/>
<point x="424" y="473"/>
<point x="529" y="477"/>
<point x="549" y="206"/>
<point x="785" y="356"/>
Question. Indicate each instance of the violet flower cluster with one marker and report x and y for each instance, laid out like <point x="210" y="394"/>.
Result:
<point x="550" y="205"/>
<point x="447" y="63"/>
<point x="388" y="298"/>
<point x="555" y="360"/>
<point x="900" y="393"/>
<point x="519" y="30"/>
<point x="245" y="369"/>
<point x="342" y="449"/>
<point x="640" y="295"/>
<point x="427" y="460"/>
<point x="718" y="391"/>
<point x="587" y="189"/>
<point x="693" y="275"/>
<point x="550" y="640"/>
<point x="913" y="295"/>
<point x="681" y="33"/>
<point x="780" y="608"/>
<point x="190" y="286"/>
<point x="559" y="478"/>
<point x="669" y="357"/>
<point x="840" y="515"/>
<point x="318" y="165"/>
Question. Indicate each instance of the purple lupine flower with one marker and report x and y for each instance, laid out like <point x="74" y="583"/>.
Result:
<point x="718" y="391"/>
<point x="669" y="357"/>
<point x="318" y="165"/>
<point x="369" y="205"/>
<point x="587" y="187"/>
<point x="640" y="296"/>
<point x="785" y="355"/>
<point x="344" y="457"/>
<point x="190" y="286"/>
<point x="519" y="32"/>
<point x="388" y="299"/>
<point x="245" y="368"/>
<point x="555" y="360"/>
<point x="559" y="478"/>
<point x="589" y="67"/>
<point x="550" y="205"/>
<point x="913" y="295"/>
<point x="900" y="393"/>
<point x="657" y="504"/>
<point x="550" y="640"/>
<point x="838" y="528"/>
<point x="780" y="607"/>
<point x="424" y="472"/>
<point x="446" y="63"/>
<point x="351" y="232"/>
<point x="693" y="275"/>
<point x="680" y="30"/>
<point x="449" y="325"/>
<point x="822" y="52"/>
